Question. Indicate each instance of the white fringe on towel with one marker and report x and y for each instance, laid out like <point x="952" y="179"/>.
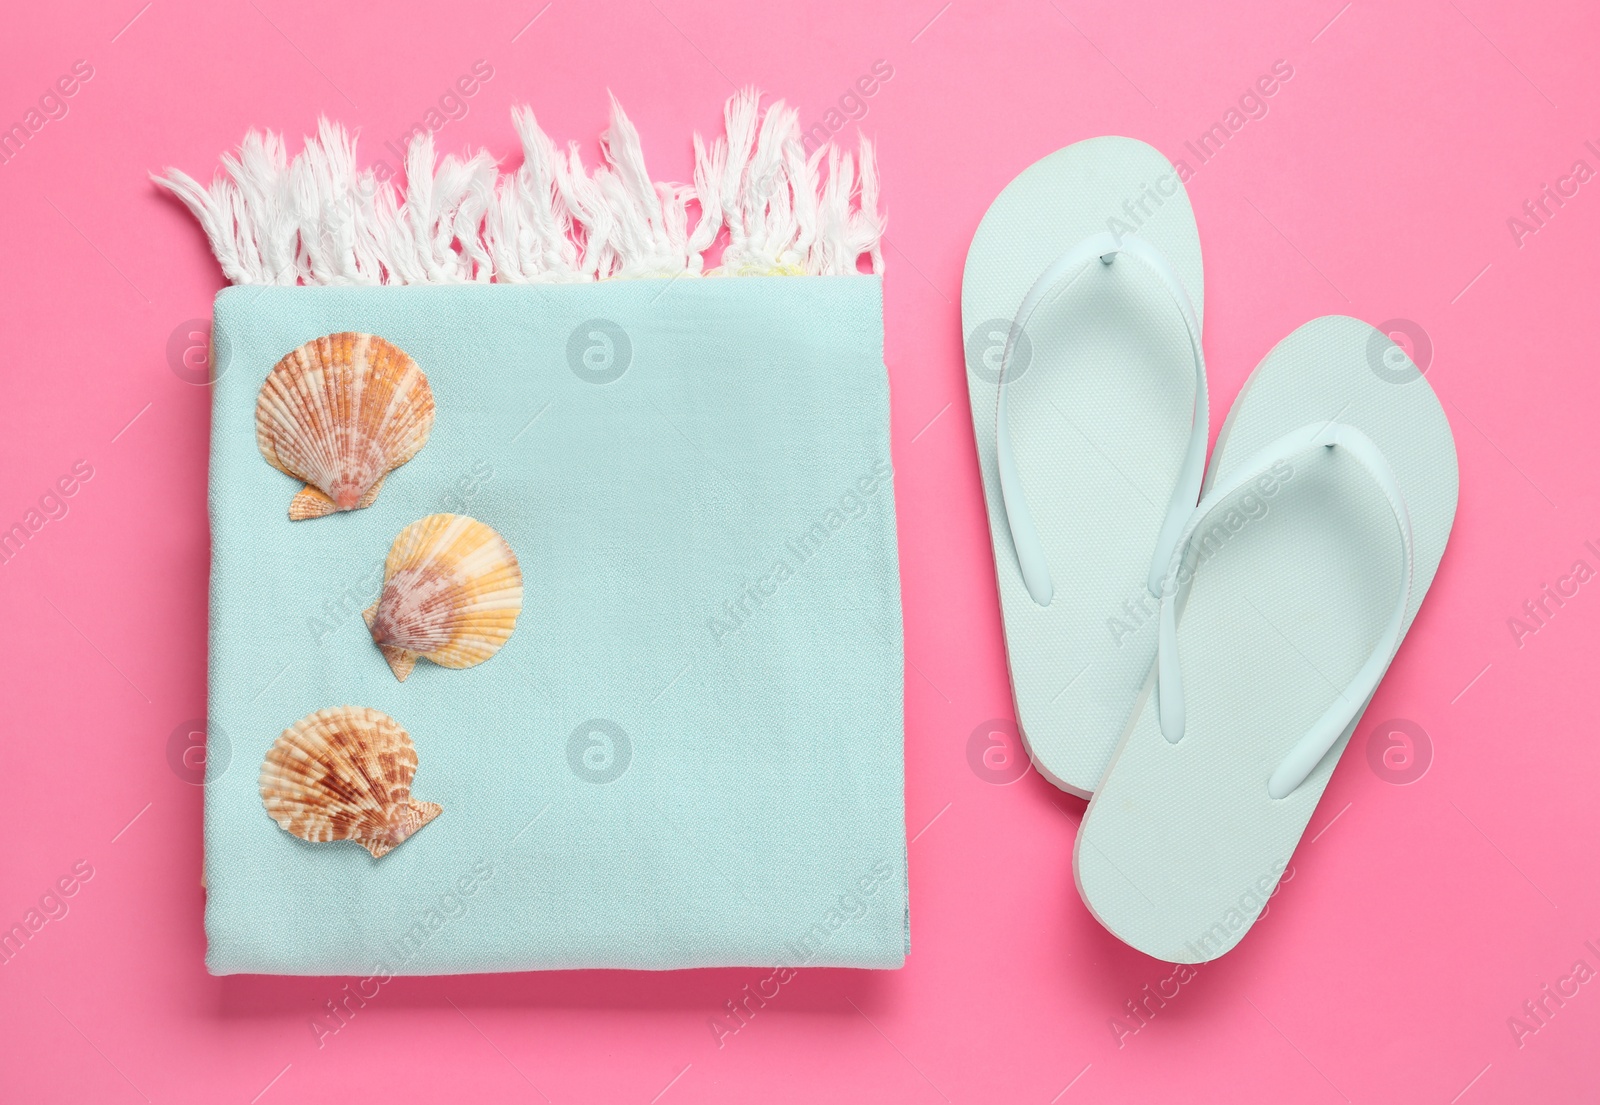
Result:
<point x="320" y="220"/>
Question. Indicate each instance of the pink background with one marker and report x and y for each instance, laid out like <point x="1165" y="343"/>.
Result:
<point x="1420" y="917"/>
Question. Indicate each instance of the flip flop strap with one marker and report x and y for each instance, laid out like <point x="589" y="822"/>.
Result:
<point x="1303" y="758"/>
<point x="1105" y="246"/>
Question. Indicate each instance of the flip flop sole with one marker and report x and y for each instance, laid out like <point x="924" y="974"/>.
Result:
<point x="1100" y="402"/>
<point x="1182" y="844"/>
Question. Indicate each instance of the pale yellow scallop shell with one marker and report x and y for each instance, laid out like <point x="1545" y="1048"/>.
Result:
<point x="345" y="774"/>
<point x="452" y="591"/>
<point x="340" y="413"/>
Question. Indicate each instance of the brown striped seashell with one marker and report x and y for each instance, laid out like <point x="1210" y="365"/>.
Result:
<point x="345" y="774"/>
<point x="452" y="591"/>
<point x="340" y="413"/>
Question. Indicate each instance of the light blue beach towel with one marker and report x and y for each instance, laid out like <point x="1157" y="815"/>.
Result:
<point x="689" y="752"/>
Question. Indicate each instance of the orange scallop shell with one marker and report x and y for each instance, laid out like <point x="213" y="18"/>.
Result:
<point x="345" y="774"/>
<point x="340" y="413"/>
<point x="452" y="590"/>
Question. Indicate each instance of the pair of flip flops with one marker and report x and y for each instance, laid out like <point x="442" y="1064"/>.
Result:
<point x="1191" y="644"/>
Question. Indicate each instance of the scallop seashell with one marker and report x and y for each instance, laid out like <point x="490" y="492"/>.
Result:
<point x="340" y="413"/>
<point x="345" y="774"/>
<point x="452" y="591"/>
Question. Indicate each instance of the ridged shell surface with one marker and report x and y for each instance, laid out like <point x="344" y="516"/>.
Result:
<point x="345" y="774"/>
<point x="340" y="413"/>
<point x="452" y="591"/>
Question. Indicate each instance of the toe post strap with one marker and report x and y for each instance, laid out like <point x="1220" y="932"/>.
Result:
<point x="1307" y="753"/>
<point x="1107" y="247"/>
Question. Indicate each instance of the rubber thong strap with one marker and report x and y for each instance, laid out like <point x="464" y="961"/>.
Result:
<point x="1024" y="537"/>
<point x="1303" y="758"/>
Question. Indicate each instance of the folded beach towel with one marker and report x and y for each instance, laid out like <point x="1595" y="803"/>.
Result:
<point x="688" y="750"/>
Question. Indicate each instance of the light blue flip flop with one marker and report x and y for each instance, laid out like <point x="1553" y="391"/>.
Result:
<point x="1329" y="501"/>
<point x="1082" y="303"/>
